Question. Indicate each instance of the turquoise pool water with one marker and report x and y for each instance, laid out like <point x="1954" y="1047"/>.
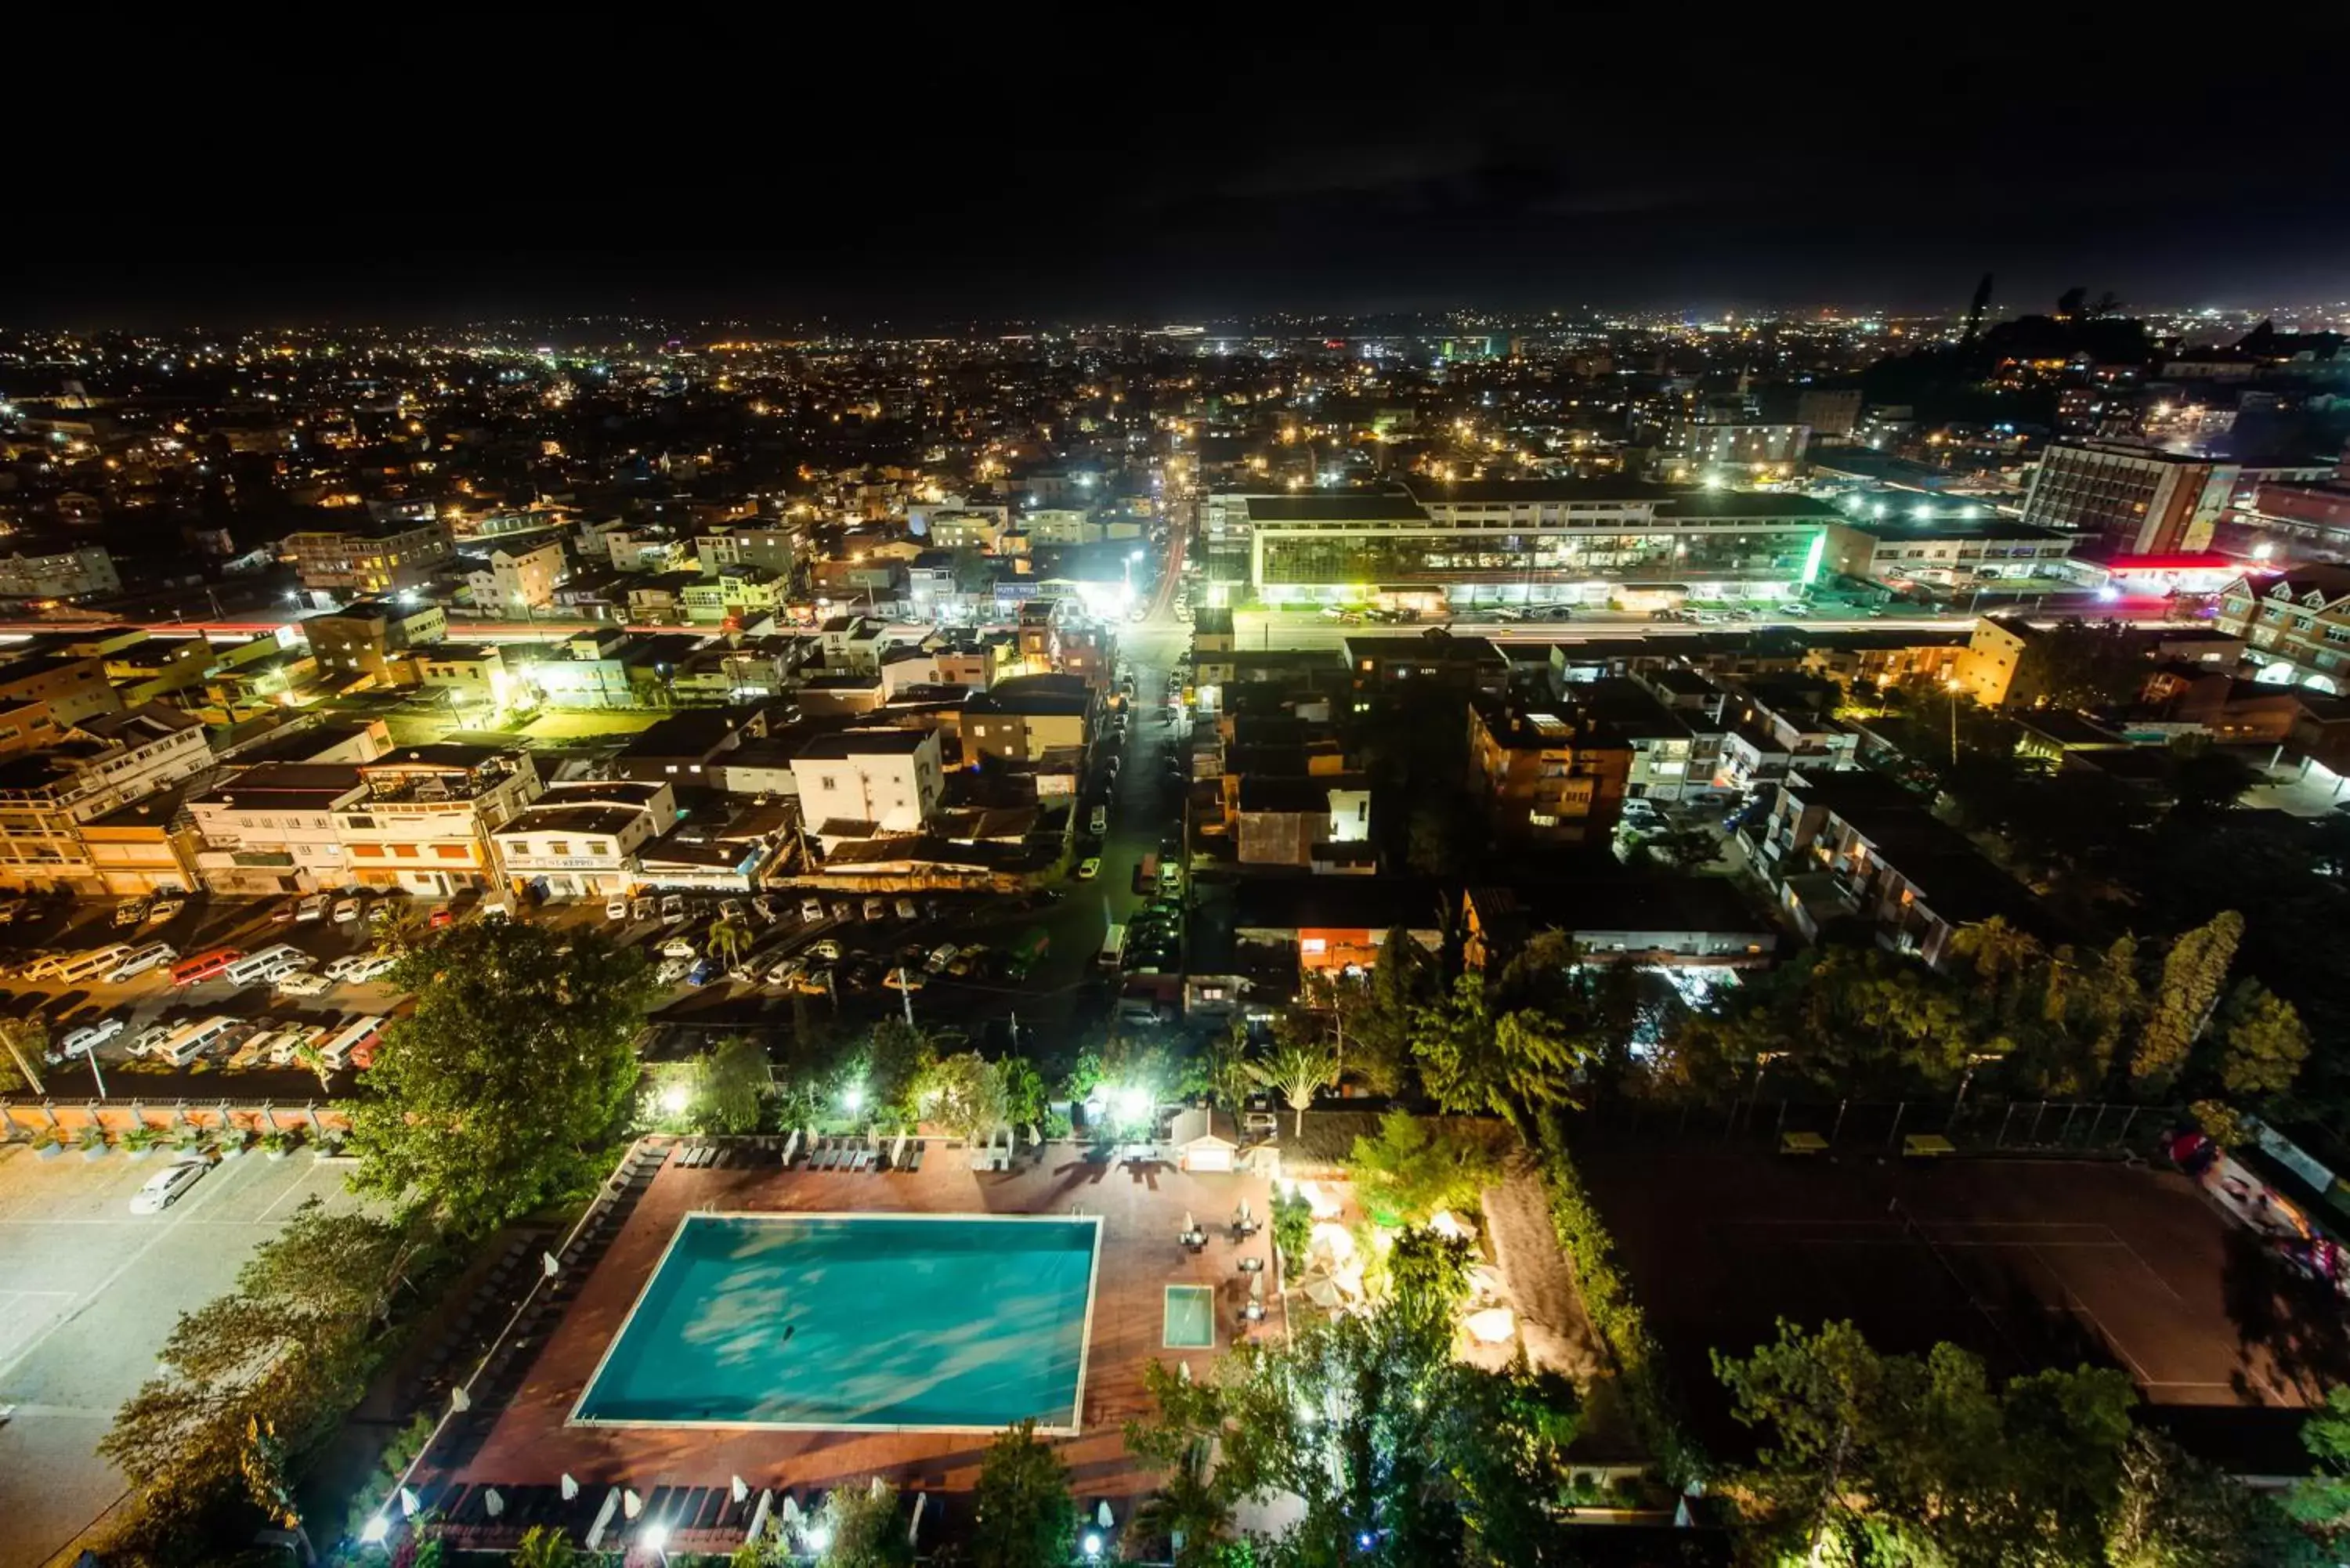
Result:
<point x="854" y="1320"/>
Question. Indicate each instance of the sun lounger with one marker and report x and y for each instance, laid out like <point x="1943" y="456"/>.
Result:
<point x="914" y="1157"/>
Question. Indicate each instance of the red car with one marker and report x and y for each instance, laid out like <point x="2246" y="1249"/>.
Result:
<point x="440" y="918"/>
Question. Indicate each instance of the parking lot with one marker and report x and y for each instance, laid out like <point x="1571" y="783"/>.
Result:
<point x="87" y="1292"/>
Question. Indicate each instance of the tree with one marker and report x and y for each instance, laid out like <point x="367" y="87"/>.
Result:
<point x="1025" y="1100"/>
<point x="1685" y="850"/>
<point x="2322" y="1500"/>
<point x="2193" y="970"/>
<point x="402" y="930"/>
<point x="2264" y="1041"/>
<point x="253" y="1383"/>
<point x="1413" y="1168"/>
<point x="892" y="1069"/>
<point x="509" y="1083"/>
<point x="1514" y="1066"/>
<point x="22" y="1042"/>
<point x="729" y="939"/>
<point x="730" y="1085"/>
<point x="1297" y="1070"/>
<point x="1406" y="977"/>
<point x="545" y="1546"/>
<point x="2176" y="1511"/>
<point x="1442" y="837"/>
<point x="1023" y="1514"/>
<point x="862" y="1530"/>
<point x="1896" y="1459"/>
<point x="972" y="571"/>
<point x="964" y="1093"/>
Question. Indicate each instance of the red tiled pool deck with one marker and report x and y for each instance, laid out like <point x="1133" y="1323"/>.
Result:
<point x="1141" y="1209"/>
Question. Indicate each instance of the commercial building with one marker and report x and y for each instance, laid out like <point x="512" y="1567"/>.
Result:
<point x="582" y="840"/>
<point x="1948" y="552"/>
<point x="424" y="821"/>
<point x="1723" y="450"/>
<point x="380" y="560"/>
<point x="857" y="782"/>
<point x="1545" y="778"/>
<point x="58" y="574"/>
<point x="371" y="637"/>
<point x="2138" y="501"/>
<point x="1572" y="541"/>
<point x="1829" y="414"/>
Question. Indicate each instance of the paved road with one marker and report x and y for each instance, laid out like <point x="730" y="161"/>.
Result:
<point x="1267" y="630"/>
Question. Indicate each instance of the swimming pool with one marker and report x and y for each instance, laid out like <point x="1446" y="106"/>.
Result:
<point x="895" y="1322"/>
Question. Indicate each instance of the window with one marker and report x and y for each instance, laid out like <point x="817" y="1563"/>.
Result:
<point x="559" y="846"/>
<point x="453" y="852"/>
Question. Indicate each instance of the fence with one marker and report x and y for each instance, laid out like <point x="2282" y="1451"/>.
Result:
<point x="31" y="1119"/>
<point x="1973" y="1124"/>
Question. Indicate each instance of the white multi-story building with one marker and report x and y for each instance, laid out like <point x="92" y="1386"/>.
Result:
<point x="99" y="766"/>
<point x="525" y="579"/>
<point x="58" y="574"/>
<point x="857" y="782"/>
<point x="424" y="821"/>
<point x="582" y="840"/>
<point x="271" y="829"/>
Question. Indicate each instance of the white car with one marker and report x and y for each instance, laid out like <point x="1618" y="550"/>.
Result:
<point x="788" y="971"/>
<point x="312" y="907"/>
<point x="680" y="948"/>
<point x="941" y="956"/>
<point x="357" y="967"/>
<point x="811" y="910"/>
<point x="672" y="909"/>
<point x="346" y="911"/>
<point x="642" y="909"/>
<point x="154" y="1035"/>
<point x="303" y="983"/>
<point x="615" y="908"/>
<point x="163" y="1189"/>
<point x="1089" y="868"/>
<point x="671" y="970"/>
<point x="83" y="1040"/>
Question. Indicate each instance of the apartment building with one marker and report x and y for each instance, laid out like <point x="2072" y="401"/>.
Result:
<point x="26" y="726"/>
<point x="2296" y="624"/>
<point x="582" y="840"/>
<point x="382" y="559"/>
<point x="57" y="574"/>
<point x="87" y="771"/>
<point x="271" y="829"/>
<point x="73" y="687"/>
<point x="425" y="817"/>
<point x="372" y="638"/>
<point x="1547" y="777"/>
<point x="1027" y="716"/>
<point x="857" y="782"/>
<point x="472" y="676"/>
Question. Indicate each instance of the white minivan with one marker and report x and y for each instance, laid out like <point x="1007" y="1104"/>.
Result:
<point x="267" y="965"/>
<point x="91" y="964"/>
<point x="186" y="1044"/>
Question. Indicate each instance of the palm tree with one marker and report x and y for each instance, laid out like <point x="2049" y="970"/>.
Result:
<point x="730" y="938"/>
<point x="1297" y="1069"/>
<point x="404" y="930"/>
<point x="1189" y="1506"/>
<point x="312" y="1057"/>
<point x="25" y="1039"/>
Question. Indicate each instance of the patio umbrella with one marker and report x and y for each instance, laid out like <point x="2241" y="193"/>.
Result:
<point x="1446" y="1223"/>
<point x="459" y="1400"/>
<point x="1256" y="1287"/>
<point x="1103" y="1517"/>
<point x="1188" y="1226"/>
<point x="549" y="1265"/>
<point x="631" y="1504"/>
<point x="1321" y="1289"/>
<point x="1494" y="1325"/>
<point x="408" y="1503"/>
<point x="1183" y="1370"/>
<point x="759" y="1516"/>
<point x="568" y="1487"/>
<point x="898" y="1152"/>
<point x="741" y="1489"/>
<point x="1240" y="1216"/>
<point x="1333" y="1241"/>
<point x="491" y="1503"/>
<point x="790" y="1511"/>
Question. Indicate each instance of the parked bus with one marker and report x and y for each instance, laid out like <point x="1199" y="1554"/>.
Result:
<point x="199" y="967"/>
<point x="1146" y="875"/>
<point x="354" y="1042"/>
<point x="93" y="963"/>
<point x="185" y="1045"/>
<point x="267" y="965"/>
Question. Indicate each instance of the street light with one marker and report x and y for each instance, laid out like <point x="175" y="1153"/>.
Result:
<point x="852" y="1098"/>
<point x="376" y="1531"/>
<point x="1093" y="1546"/>
<point x="654" y="1538"/>
<point x="675" y="1098"/>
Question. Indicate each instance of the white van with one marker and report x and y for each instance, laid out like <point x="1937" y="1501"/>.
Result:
<point x="138" y="960"/>
<point x="185" y="1045"/>
<point x="91" y="964"/>
<point x="267" y="965"/>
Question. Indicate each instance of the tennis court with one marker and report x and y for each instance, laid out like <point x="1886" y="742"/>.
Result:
<point x="2027" y="1263"/>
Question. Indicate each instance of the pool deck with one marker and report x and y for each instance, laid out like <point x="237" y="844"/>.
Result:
<point x="1142" y="1210"/>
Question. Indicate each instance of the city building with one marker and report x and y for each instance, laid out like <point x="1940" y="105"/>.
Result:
<point x="425" y="820"/>
<point x="524" y="581"/>
<point x="64" y="573"/>
<point x="73" y="687"/>
<point x="2296" y="624"/>
<point x="2140" y="501"/>
<point x="1027" y="716"/>
<point x="1672" y="923"/>
<point x="472" y="676"/>
<point x="1449" y="548"/>
<point x="372" y="638"/>
<point x="1706" y="450"/>
<point x="1960" y="554"/>
<point x="271" y="829"/>
<point x="855" y="783"/>
<point x="94" y="768"/>
<point x="1545" y="778"/>
<point x="1831" y="415"/>
<point x="581" y="841"/>
<point x="382" y="559"/>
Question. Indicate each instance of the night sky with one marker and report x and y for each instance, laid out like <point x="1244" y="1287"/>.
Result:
<point x="1181" y="166"/>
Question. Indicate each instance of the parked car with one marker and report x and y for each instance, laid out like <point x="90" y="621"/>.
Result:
<point x="825" y="951"/>
<point x="680" y="948"/>
<point x="815" y="981"/>
<point x="788" y="971"/>
<point x="441" y="919"/>
<point x="304" y="983"/>
<point x="941" y="956"/>
<point x="164" y="909"/>
<point x="357" y="967"/>
<point x="615" y="908"/>
<point x="346" y="910"/>
<point x="131" y="912"/>
<point x="163" y="1188"/>
<point x="876" y="909"/>
<point x="765" y="907"/>
<point x="88" y="1038"/>
<point x="731" y="911"/>
<point x="312" y="907"/>
<point x="672" y="909"/>
<point x="671" y="970"/>
<point x="703" y="971"/>
<point x="642" y="909"/>
<point x="902" y="977"/>
<point x="811" y="910"/>
<point x="1089" y="868"/>
<point x="1098" y="823"/>
<point x="906" y="911"/>
<point x="284" y="913"/>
